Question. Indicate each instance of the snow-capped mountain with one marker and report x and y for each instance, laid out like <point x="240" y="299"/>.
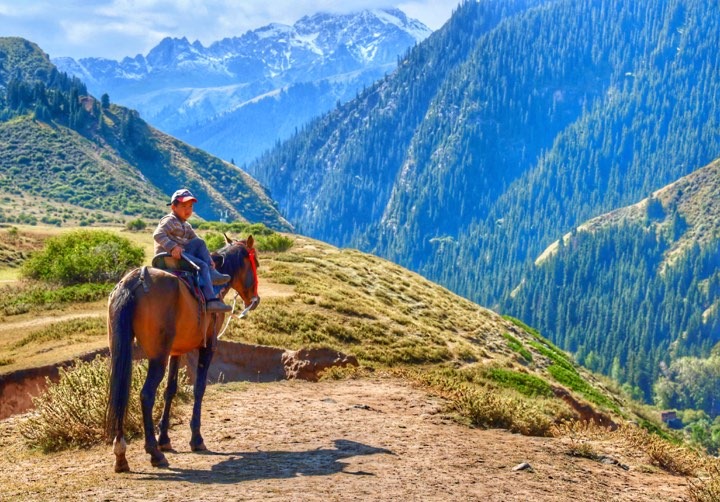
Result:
<point x="184" y="88"/>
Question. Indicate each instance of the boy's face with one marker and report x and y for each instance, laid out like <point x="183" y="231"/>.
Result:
<point x="183" y="210"/>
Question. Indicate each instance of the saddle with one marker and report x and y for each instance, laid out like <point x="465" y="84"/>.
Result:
<point x="183" y="270"/>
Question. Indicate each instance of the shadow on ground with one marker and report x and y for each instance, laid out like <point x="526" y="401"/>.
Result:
<point x="248" y="466"/>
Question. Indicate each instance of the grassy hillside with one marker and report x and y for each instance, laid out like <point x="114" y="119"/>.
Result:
<point x="69" y="158"/>
<point x="316" y="295"/>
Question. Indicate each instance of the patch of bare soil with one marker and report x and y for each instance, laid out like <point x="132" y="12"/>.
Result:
<point x="373" y="439"/>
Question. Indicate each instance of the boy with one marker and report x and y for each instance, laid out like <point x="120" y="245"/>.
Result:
<point x="176" y="236"/>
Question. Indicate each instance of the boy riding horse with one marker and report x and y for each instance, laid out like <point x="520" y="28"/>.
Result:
<point x="174" y="235"/>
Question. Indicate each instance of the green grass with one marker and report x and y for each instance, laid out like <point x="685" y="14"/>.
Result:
<point x="572" y="380"/>
<point x="524" y="383"/>
<point x="518" y="347"/>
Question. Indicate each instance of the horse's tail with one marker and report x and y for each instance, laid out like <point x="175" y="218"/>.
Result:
<point x="121" y="308"/>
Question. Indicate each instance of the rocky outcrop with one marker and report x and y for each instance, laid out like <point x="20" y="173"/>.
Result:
<point x="307" y="364"/>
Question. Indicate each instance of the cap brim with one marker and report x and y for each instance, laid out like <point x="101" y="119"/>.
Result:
<point x="183" y="199"/>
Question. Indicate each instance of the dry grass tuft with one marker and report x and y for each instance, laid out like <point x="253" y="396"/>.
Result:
<point x="481" y="403"/>
<point x="706" y="489"/>
<point x="671" y="457"/>
<point x="581" y="435"/>
<point x="71" y="413"/>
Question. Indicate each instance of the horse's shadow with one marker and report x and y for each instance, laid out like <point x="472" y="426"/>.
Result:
<point x="248" y="466"/>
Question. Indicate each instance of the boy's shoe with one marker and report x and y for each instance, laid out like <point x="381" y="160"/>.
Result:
<point x="217" y="305"/>
<point x="218" y="278"/>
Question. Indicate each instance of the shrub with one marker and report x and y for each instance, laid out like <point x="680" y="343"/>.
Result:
<point x="137" y="225"/>
<point x="214" y="241"/>
<point x="72" y="411"/>
<point x="274" y="242"/>
<point x="84" y="256"/>
<point x="266" y="239"/>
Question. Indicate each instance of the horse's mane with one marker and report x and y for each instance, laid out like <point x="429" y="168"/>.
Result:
<point x="233" y="255"/>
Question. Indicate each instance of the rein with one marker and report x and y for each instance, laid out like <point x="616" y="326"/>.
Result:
<point x="231" y="315"/>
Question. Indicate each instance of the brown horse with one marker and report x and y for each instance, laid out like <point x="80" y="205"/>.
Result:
<point x="158" y="310"/>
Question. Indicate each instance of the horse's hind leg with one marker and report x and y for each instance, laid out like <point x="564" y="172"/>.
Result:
<point x="205" y="355"/>
<point x="156" y="370"/>
<point x="119" y="448"/>
<point x="170" y="391"/>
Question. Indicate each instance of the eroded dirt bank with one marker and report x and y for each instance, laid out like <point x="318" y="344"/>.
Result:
<point x="232" y="362"/>
<point x="374" y="439"/>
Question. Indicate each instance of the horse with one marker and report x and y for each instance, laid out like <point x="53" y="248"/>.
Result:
<point x="158" y="310"/>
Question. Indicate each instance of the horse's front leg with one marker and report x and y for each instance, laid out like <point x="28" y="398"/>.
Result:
<point x="205" y="355"/>
<point x="156" y="370"/>
<point x="170" y="391"/>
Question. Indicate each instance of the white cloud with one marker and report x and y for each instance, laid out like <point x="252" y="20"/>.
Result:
<point x="119" y="28"/>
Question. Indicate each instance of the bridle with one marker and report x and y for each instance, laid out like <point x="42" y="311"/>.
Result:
<point x="254" y="300"/>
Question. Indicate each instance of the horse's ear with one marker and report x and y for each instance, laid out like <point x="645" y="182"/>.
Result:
<point x="250" y="242"/>
<point x="227" y="239"/>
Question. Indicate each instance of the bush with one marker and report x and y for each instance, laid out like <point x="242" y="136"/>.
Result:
<point x="214" y="241"/>
<point x="266" y="240"/>
<point x="137" y="225"/>
<point x="84" y="256"/>
<point x="72" y="411"/>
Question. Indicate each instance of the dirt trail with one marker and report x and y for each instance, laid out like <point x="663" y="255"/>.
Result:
<point x="342" y="440"/>
<point x="36" y="322"/>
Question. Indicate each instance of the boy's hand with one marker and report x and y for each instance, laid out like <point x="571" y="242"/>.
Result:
<point x="176" y="252"/>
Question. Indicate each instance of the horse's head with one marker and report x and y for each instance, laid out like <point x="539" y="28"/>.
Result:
<point x="238" y="260"/>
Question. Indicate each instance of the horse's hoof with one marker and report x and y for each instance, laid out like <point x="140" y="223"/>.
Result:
<point x="122" y="465"/>
<point x="159" y="460"/>
<point x="166" y="446"/>
<point x="198" y="447"/>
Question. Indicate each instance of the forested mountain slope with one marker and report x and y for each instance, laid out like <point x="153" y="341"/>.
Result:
<point x="67" y="157"/>
<point x="632" y="291"/>
<point x="512" y="124"/>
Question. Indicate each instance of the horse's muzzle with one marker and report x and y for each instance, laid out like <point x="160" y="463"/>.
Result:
<point x="250" y="306"/>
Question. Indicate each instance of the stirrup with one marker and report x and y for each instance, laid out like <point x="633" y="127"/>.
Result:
<point x="217" y="305"/>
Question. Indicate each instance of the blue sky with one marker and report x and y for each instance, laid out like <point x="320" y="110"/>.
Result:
<point x="118" y="28"/>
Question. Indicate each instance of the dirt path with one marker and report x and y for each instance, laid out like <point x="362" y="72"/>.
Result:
<point x="36" y="322"/>
<point x="342" y="440"/>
